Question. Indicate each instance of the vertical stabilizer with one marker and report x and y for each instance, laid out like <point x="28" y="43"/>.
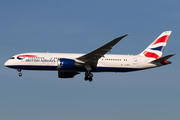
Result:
<point x="155" y="49"/>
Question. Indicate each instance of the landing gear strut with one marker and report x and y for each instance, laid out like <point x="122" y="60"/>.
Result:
<point x="88" y="76"/>
<point x="20" y="74"/>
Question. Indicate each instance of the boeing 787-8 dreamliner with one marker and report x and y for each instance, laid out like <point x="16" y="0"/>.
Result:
<point x="70" y="64"/>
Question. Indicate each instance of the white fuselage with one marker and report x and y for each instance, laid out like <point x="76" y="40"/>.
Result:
<point x="107" y="63"/>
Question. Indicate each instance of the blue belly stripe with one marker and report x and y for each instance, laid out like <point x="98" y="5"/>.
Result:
<point x="115" y="69"/>
<point x="33" y="67"/>
<point x="98" y="69"/>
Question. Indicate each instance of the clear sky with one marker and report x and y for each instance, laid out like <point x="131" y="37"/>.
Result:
<point x="80" y="27"/>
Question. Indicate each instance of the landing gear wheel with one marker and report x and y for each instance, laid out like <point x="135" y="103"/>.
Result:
<point x="20" y="74"/>
<point x="90" y="79"/>
<point x="88" y="76"/>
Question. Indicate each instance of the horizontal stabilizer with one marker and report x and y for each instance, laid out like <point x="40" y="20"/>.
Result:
<point x="163" y="59"/>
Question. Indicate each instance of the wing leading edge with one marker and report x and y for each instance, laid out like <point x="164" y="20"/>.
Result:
<point x="92" y="58"/>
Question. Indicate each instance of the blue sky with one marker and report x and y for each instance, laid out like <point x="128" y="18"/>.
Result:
<point x="80" y="27"/>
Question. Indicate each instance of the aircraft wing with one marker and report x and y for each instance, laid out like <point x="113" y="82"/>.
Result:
<point x="92" y="58"/>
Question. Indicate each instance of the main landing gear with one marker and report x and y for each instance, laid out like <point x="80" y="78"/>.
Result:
<point x="88" y="76"/>
<point x="20" y="74"/>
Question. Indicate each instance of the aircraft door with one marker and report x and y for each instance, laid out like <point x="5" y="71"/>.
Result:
<point x="135" y="62"/>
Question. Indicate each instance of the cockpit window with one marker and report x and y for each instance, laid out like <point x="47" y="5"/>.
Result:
<point x="12" y="58"/>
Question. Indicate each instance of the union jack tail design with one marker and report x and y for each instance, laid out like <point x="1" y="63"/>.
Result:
<point x="155" y="49"/>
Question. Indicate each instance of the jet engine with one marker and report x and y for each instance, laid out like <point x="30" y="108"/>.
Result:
<point x="64" y="63"/>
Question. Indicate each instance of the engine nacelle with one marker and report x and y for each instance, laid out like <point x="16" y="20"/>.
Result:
<point x="62" y="74"/>
<point x="64" y="63"/>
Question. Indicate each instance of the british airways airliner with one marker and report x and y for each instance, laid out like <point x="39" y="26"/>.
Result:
<point x="69" y="64"/>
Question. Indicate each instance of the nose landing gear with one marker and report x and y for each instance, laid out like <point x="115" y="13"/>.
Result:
<point x="20" y="74"/>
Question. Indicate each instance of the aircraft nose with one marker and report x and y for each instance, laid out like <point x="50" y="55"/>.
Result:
<point x="6" y="63"/>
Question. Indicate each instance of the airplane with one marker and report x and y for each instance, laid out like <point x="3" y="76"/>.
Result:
<point x="70" y="64"/>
